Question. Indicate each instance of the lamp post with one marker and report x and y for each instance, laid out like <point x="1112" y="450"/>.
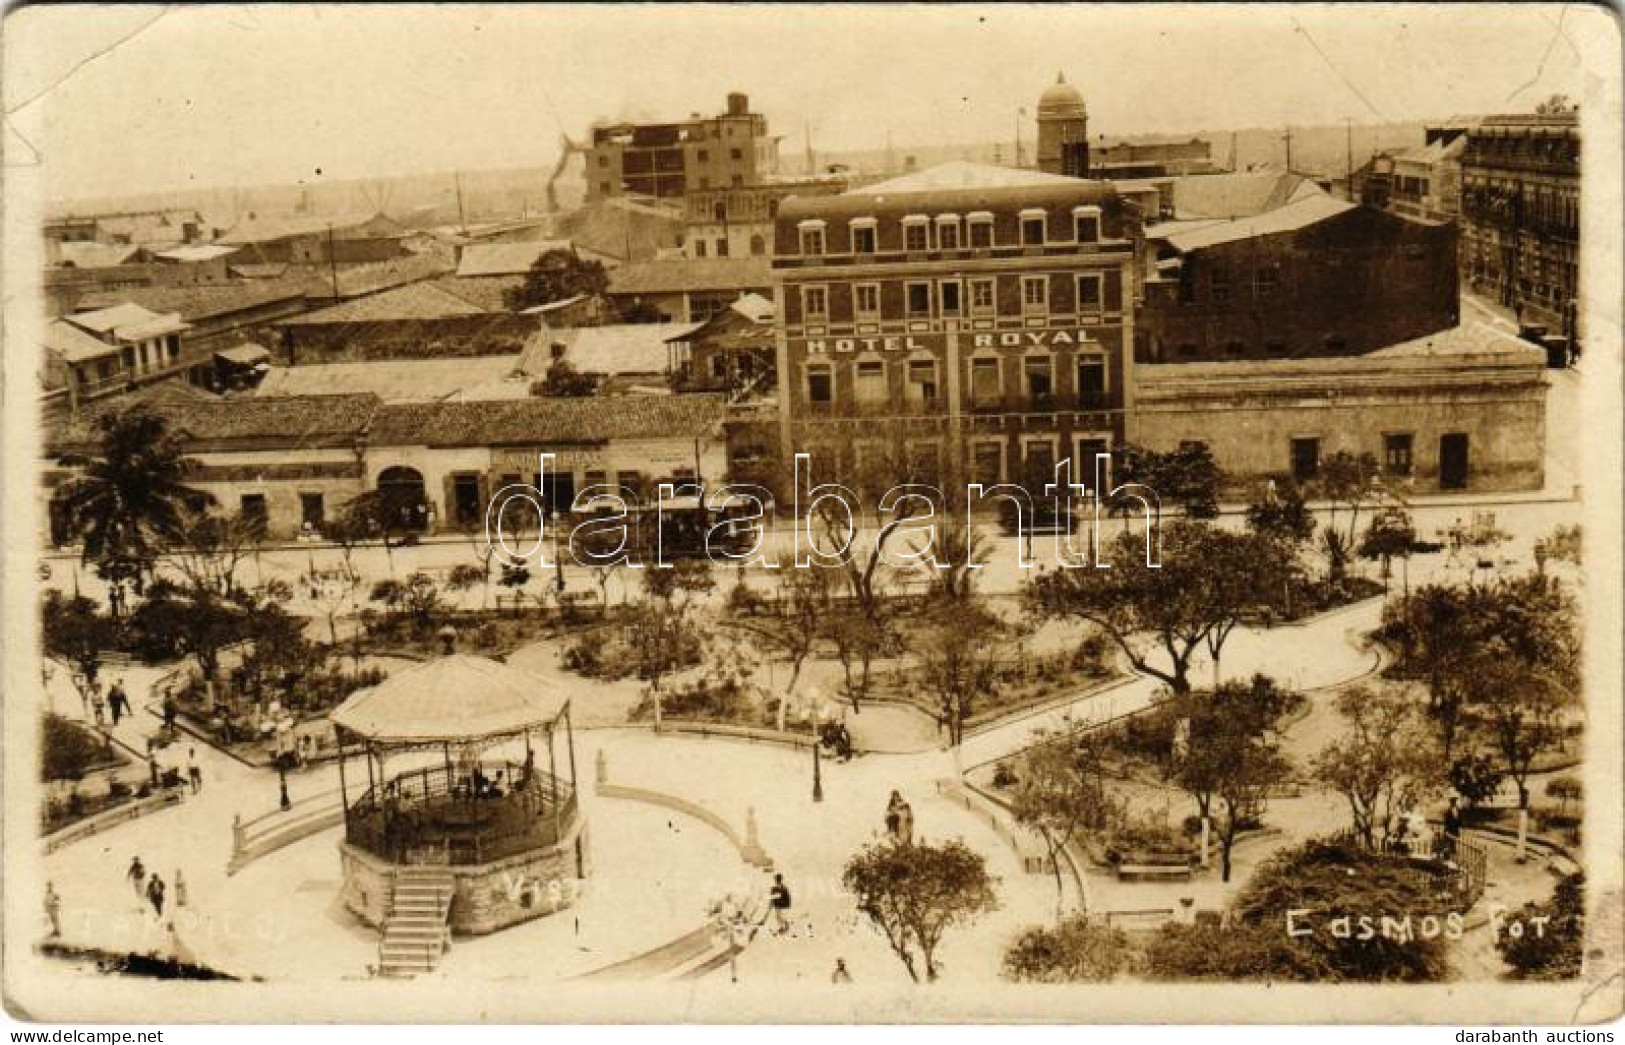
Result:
<point x="818" y="770"/>
<point x="558" y="563"/>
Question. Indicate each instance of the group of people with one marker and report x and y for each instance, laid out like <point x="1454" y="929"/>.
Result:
<point x="115" y="704"/>
<point x="835" y="737"/>
<point x="151" y="887"/>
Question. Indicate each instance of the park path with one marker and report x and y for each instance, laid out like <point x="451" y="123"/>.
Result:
<point x="1321" y="652"/>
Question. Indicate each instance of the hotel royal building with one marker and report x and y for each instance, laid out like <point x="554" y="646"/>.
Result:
<point x="975" y="322"/>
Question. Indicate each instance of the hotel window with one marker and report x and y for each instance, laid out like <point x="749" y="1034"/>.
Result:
<point x="699" y="248"/>
<point x="1090" y="295"/>
<point x="736" y="154"/>
<point x="812" y="239"/>
<point x="863" y="236"/>
<point x="705" y="155"/>
<point x="981" y="297"/>
<point x="1265" y="279"/>
<point x="722" y="248"/>
<point x="1039" y="375"/>
<point x="871" y="381"/>
<point x="1035" y="293"/>
<point x="866" y="300"/>
<point x="985" y="387"/>
<point x="950" y="292"/>
<point x="1305" y="459"/>
<point x="1219" y="283"/>
<point x="922" y="382"/>
<point x="987" y="463"/>
<point x="916" y="234"/>
<point x="947" y="232"/>
<point x="1032" y="228"/>
<point x="820" y="383"/>
<point x="981" y="229"/>
<point x="919" y="300"/>
<point x="1091" y="382"/>
<point x="1086" y="224"/>
<point x="1396" y="453"/>
<point x="253" y="510"/>
<point x="814" y="304"/>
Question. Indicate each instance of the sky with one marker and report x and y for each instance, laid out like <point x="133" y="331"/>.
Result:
<point x="128" y="99"/>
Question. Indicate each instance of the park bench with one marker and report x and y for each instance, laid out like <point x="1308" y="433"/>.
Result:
<point x="1150" y="864"/>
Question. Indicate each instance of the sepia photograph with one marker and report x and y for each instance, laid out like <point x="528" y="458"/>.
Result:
<point x="812" y="513"/>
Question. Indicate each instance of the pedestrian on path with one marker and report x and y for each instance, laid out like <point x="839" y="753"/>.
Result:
<point x="194" y="773"/>
<point x="180" y="889"/>
<point x="171" y="709"/>
<point x="152" y="763"/>
<point x="155" y="895"/>
<point x="53" y="909"/>
<point x="115" y="702"/>
<point x="840" y="975"/>
<point x="137" y="875"/>
<point x="99" y="707"/>
<point x="738" y="937"/>
<point x="778" y="901"/>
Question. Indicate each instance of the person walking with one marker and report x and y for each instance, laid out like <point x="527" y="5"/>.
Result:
<point x="137" y="875"/>
<point x="894" y="819"/>
<point x="738" y="937"/>
<point x="840" y="975"/>
<point x="180" y="889"/>
<point x="98" y="705"/>
<point x="193" y="772"/>
<point x="53" y="909"/>
<point x="171" y="709"/>
<point x="115" y="702"/>
<point x="155" y="894"/>
<point x="778" y="901"/>
<point x="1452" y="829"/>
<point x="905" y="824"/>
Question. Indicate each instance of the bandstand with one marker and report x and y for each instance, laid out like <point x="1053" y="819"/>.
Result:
<point x="463" y="824"/>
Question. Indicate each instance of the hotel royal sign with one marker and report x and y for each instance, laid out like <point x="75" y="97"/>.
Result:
<point x="934" y="342"/>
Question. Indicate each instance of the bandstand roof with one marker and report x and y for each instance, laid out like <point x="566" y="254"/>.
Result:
<point x="449" y="699"/>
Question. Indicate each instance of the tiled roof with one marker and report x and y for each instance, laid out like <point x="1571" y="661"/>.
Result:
<point x="542" y="421"/>
<point x="268" y="229"/>
<point x="293" y="421"/>
<point x="371" y="276"/>
<point x="412" y="301"/>
<point x="195" y="302"/>
<point x="672" y="277"/>
<point x="96" y="255"/>
<point x="73" y="345"/>
<point x="404" y="380"/>
<point x="488" y="293"/>
<point x="506" y="259"/>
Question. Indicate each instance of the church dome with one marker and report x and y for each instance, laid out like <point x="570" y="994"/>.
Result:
<point x="1061" y="101"/>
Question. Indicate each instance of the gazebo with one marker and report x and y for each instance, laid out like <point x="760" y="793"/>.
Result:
<point x="489" y="840"/>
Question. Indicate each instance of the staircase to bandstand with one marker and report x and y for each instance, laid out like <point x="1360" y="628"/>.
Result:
<point x="416" y="931"/>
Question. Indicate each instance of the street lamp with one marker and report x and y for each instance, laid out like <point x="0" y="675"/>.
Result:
<point x="818" y="771"/>
<point x="558" y="563"/>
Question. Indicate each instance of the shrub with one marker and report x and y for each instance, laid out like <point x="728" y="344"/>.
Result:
<point x="68" y="750"/>
<point x="1004" y="776"/>
<point x="1555" y="952"/>
<point x="1075" y="951"/>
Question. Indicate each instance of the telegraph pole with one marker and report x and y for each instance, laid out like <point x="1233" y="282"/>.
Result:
<point x="1287" y="137"/>
<point x="1348" y="159"/>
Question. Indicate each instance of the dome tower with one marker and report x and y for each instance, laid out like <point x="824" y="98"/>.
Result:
<point x="1063" y="130"/>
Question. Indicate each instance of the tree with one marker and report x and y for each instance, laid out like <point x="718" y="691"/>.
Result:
<point x="130" y="497"/>
<point x="1383" y="762"/>
<point x="556" y="276"/>
<point x="1062" y="791"/>
<point x="1228" y="764"/>
<point x="67" y="750"/>
<point x="1283" y="518"/>
<point x="1186" y="476"/>
<point x="202" y="622"/>
<point x="957" y="653"/>
<point x="1475" y="778"/>
<point x="912" y="893"/>
<point x="75" y="634"/>
<point x="1565" y="789"/>
<point x="1078" y="950"/>
<point x="804" y="602"/>
<point x="1206" y="580"/>
<point x="1523" y="713"/>
<point x="1390" y="535"/>
<point x="563" y="379"/>
<point x="1349" y="482"/>
<point x="208" y="548"/>
<point x="1550" y="943"/>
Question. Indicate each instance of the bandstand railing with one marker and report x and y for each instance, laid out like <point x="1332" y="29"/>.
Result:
<point x="459" y="815"/>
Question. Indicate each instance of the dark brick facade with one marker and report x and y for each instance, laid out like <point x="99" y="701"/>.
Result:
<point x="1344" y="285"/>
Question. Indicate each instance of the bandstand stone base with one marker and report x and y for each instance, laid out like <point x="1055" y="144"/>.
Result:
<point x="488" y="896"/>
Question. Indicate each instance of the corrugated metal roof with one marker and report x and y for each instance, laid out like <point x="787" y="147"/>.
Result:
<point x="1296" y="215"/>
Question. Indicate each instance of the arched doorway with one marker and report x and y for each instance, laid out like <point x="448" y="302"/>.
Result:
<point x="404" y="497"/>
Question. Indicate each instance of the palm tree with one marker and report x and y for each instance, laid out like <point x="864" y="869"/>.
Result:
<point x="130" y="498"/>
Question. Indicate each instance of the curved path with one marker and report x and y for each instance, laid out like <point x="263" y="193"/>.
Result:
<point x="263" y="920"/>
